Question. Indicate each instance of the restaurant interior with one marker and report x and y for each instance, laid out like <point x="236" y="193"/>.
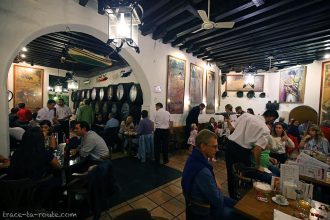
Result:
<point x="87" y="85"/>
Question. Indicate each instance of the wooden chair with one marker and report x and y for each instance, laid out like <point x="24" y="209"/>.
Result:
<point x="242" y="180"/>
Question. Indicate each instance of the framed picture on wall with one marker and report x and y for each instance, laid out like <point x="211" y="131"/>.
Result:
<point x="210" y="92"/>
<point x="176" y="71"/>
<point x="292" y="85"/>
<point x="325" y="94"/>
<point x="196" y="84"/>
<point x="235" y="83"/>
<point x="28" y="87"/>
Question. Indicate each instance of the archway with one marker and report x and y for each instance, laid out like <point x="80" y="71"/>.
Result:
<point x="24" y="21"/>
<point x="303" y="113"/>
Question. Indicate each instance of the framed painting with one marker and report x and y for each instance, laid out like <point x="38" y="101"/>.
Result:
<point x="196" y="84"/>
<point x="292" y="85"/>
<point x="176" y="71"/>
<point x="325" y="95"/>
<point x="235" y="83"/>
<point x="28" y="87"/>
<point x="210" y="92"/>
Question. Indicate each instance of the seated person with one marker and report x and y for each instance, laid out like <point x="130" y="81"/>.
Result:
<point x="204" y="199"/>
<point x="91" y="143"/>
<point x="50" y="138"/>
<point x="144" y="132"/>
<point x="280" y="141"/>
<point x="112" y="122"/>
<point x="126" y="126"/>
<point x="32" y="160"/>
<point x="315" y="141"/>
<point x="4" y="164"/>
<point x="98" y="125"/>
<point x="212" y="125"/>
<point x="13" y="118"/>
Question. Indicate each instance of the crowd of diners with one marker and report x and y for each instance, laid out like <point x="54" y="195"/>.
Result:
<point x="260" y="141"/>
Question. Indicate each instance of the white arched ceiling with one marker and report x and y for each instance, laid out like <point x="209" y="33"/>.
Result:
<point x="23" y="21"/>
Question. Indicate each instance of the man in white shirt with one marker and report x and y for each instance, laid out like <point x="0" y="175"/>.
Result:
<point x="48" y="113"/>
<point x="251" y="135"/>
<point x="63" y="113"/>
<point x="162" y="123"/>
<point x="229" y="119"/>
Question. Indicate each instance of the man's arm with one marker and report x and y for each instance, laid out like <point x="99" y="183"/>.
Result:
<point x="256" y="153"/>
<point x="88" y="146"/>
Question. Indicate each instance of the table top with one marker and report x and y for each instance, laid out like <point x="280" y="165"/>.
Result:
<point x="252" y="208"/>
<point x="322" y="182"/>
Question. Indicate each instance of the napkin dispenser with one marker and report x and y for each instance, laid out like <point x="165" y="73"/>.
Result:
<point x="289" y="190"/>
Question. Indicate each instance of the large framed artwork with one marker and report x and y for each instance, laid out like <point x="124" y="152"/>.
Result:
<point x="325" y="94"/>
<point x="210" y="92"/>
<point x="196" y="84"/>
<point x="176" y="71"/>
<point x="235" y="83"/>
<point x="292" y="85"/>
<point x="28" y="87"/>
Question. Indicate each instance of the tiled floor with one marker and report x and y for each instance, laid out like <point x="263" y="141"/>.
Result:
<point x="167" y="200"/>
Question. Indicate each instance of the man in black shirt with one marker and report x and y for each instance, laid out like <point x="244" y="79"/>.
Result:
<point x="193" y="118"/>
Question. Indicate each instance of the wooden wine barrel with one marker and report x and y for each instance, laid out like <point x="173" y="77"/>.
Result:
<point x="111" y="93"/>
<point x="122" y="92"/>
<point x="95" y="94"/>
<point x="102" y="93"/>
<point x="135" y="94"/>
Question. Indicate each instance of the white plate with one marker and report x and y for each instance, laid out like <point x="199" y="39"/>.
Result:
<point x="278" y="202"/>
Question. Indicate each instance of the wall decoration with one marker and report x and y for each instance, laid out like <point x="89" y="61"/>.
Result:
<point x="325" y="95"/>
<point x="176" y="71"/>
<point x="196" y="85"/>
<point x="28" y="87"/>
<point x="235" y="83"/>
<point x="292" y="85"/>
<point x="210" y="92"/>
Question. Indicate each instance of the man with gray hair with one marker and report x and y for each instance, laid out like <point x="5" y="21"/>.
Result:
<point x="204" y="200"/>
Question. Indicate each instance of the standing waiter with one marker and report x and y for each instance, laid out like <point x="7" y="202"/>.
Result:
<point x="64" y="114"/>
<point x="250" y="130"/>
<point x="162" y="123"/>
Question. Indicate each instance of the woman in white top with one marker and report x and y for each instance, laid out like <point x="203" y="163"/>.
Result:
<point x="280" y="141"/>
<point x="315" y="141"/>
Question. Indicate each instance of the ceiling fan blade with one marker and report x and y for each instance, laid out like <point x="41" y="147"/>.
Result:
<point x="224" y="24"/>
<point x="203" y="16"/>
<point x="198" y="30"/>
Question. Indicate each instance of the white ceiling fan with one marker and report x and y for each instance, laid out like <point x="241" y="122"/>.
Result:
<point x="207" y="24"/>
<point x="271" y="69"/>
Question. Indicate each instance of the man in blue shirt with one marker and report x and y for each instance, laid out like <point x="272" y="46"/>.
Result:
<point x="112" y="122"/>
<point x="204" y="200"/>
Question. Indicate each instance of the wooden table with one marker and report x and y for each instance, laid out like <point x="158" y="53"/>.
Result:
<point x="315" y="181"/>
<point x="252" y="208"/>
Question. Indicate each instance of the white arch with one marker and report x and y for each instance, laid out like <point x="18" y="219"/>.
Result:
<point x="23" y="21"/>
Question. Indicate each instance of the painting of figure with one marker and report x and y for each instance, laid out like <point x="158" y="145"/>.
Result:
<point x="196" y="85"/>
<point x="210" y="92"/>
<point x="28" y="87"/>
<point x="176" y="71"/>
<point x="292" y="85"/>
<point x="325" y="95"/>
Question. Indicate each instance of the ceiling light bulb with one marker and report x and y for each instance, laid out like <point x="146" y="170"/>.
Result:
<point x="23" y="55"/>
<point x="24" y="49"/>
<point x="122" y="27"/>
<point x="326" y="56"/>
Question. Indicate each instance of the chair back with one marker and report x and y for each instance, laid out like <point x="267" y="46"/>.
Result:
<point x="242" y="182"/>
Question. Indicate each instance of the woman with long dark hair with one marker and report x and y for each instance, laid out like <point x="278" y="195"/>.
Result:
<point x="315" y="141"/>
<point x="281" y="141"/>
<point x="32" y="160"/>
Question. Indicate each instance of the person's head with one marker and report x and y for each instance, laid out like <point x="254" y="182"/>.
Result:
<point x="206" y="143"/>
<point x="33" y="139"/>
<point x="193" y="126"/>
<point x="201" y="106"/>
<point x="81" y="128"/>
<point x="110" y="116"/>
<point x="281" y="119"/>
<point x="13" y="110"/>
<point x="278" y="130"/>
<point x="159" y="105"/>
<point x="129" y="119"/>
<point x="315" y="132"/>
<point x="81" y="104"/>
<point x="99" y="117"/>
<point x="212" y="120"/>
<point x="295" y="123"/>
<point x="51" y="104"/>
<point x="228" y="108"/>
<point x="21" y="105"/>
<point x="250" y="110"/>
<point x="45" y="126"/>
<point x="61" y="102"/>
<point x="87" y="101"/>
<point x="239" y="109"/>
<point x="270" y="116"/>
<point x="144" y="114"/>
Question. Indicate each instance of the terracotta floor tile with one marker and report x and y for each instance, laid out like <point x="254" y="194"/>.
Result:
<point x="172" y="190"/>
<point x="159" y="197"/>
<point x="175" y="207"/>
<point x="160" y="212"/>
<point x="144" y="203"/>
<point x="120" y="211"/>
<point x="135" y="198"/>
